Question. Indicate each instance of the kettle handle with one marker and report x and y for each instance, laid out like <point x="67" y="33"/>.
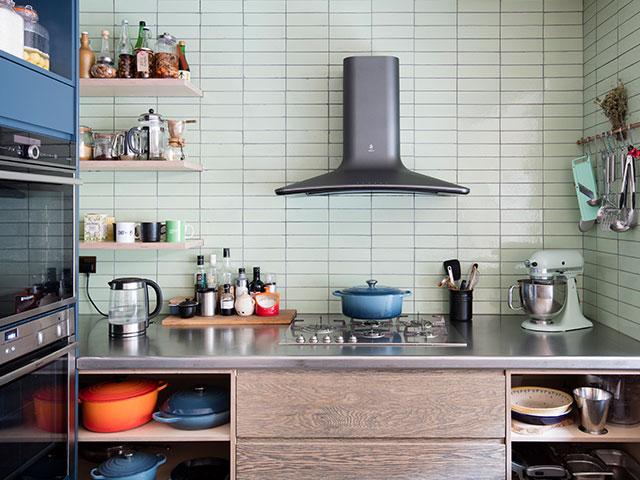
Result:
<point x="156" y="287"/>
<point x="510" y="299"/>
<point x="130" y="140"/>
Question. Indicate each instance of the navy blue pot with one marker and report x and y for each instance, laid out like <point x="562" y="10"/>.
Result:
<point x="372" y="302"/>
<point x="196" y="408"/>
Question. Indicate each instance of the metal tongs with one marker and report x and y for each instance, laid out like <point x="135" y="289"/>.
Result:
<point x="627" y="218"/>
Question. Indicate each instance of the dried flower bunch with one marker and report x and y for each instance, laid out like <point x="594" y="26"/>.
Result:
<point x="614" y="106"/>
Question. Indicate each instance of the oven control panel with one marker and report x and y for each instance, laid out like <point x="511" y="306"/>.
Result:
<point x="20" y="339"/>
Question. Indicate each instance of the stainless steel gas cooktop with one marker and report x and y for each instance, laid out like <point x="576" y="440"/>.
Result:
<point x="405" y="330"/>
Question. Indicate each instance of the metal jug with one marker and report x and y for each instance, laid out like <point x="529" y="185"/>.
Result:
<point x="129" y="306"/>
<point x="149" y="139"/>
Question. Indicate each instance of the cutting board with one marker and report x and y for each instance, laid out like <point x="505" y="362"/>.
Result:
<point x="283" y="318"/>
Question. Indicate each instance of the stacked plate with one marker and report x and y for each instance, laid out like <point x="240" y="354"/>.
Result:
<point x="540" y="405"/>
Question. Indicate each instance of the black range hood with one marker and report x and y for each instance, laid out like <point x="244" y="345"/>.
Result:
<point x="371" y="150"/>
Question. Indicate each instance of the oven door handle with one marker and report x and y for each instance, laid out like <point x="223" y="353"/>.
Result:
<point x="41" y="362"/>
<point x="37" y="178"/>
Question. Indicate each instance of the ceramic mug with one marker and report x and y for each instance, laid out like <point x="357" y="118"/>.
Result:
<point x="151" y="231"/>
<point x="177" y="231"/>
<point x="126" y="232"/>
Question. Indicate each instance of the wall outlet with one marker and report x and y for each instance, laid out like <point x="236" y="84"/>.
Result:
<point x="87" y="264"/>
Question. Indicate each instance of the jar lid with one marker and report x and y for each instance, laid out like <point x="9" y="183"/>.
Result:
<point x="167" y="38"/>
<point x="103" y="135"/>
<point x="27" y="12"/>
<point x="51" y="394"/>
<point x="129" y="463"/>
<point x="372" y="290"/>
<point x="111" y="391"/>
<point x="199" y="400"/>
<point x="85" y="129"/>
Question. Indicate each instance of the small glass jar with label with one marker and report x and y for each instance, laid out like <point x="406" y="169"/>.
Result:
<point x="85" y="143"/>
<point x="144" y="56"/>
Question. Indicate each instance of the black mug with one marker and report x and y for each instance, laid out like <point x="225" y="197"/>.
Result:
<point x="151" y="231"/>
<point x="461" y="305"/>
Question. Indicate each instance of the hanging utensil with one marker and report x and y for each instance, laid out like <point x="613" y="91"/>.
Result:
<point x="627" y="215"/>
<point x="585" y="181"/>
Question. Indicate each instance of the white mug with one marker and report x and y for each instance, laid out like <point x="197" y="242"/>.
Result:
<point x="126" y="232"/>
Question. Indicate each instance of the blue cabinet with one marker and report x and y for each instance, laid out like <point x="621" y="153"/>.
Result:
<point x="38" y="100"/>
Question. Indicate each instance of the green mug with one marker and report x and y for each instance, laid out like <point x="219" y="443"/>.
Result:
<point x="177" y="231"/>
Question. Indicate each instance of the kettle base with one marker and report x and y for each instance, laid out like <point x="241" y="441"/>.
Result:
<point x="127" y="330"/>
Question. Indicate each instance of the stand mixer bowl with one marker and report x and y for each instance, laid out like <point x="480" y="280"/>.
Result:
<point x="541" y="300"/>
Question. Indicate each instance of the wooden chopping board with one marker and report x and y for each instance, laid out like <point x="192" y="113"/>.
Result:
<point x="283" y="318"/>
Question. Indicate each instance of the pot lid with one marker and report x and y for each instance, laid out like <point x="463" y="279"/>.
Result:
<point x="371" y="290"/>
<point x="199" y="400"/>
<point x="51" y="394"/>
<point x="151" y="116"/>
<point x="129" y="463"/>
<point x="112" y="391"/>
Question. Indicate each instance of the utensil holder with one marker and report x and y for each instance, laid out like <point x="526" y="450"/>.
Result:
<point x="593" y="404"/>
<point x="461" y="305"/>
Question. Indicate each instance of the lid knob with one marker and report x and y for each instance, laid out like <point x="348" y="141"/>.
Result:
<point x="372" y="283"/>
<point x="199" y="388"/>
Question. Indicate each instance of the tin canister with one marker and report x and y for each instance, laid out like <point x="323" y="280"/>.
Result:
<point x="95" y="227"/>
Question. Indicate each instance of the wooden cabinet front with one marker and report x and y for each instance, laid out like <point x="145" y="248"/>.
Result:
<point x="371" y="404"/>
<point x="342" y="460"/>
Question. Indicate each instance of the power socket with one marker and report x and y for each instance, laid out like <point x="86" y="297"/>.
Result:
<point x="87" y="264"/>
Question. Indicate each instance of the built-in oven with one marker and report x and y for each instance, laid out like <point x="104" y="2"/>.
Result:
<point x="37" y="397"/>
<point x="38" y="241"/>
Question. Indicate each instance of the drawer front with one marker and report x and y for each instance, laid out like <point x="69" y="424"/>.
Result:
<point x="342" y="460"/>
<point x="371" y="404"/>
<point x="30" y="99"/>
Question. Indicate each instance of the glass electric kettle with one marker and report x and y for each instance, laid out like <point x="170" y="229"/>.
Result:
<point x="129" y="306"/>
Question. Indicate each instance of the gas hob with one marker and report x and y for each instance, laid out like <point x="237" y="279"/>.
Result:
<point x="406" y="330"/>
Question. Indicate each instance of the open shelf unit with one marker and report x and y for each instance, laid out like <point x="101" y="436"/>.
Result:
<point x="571" y="433"/>
<point x="152" y="431"/>
<point x="138" y="87"/>
<point x="138" y="165"/>
<point x="194" y="243"/>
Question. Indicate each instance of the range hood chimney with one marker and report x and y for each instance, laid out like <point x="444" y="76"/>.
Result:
<point x="371" y="150"/>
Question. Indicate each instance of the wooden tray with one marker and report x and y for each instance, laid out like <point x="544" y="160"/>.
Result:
<point x="283" y="318"/>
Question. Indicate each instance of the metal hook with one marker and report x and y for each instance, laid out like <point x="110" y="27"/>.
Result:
<point x="630" y="136"/>
<point x="588" y="144"/>
<point x="609" y="149"/>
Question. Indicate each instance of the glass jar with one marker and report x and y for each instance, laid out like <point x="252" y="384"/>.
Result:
<point x="11" y="29"/>
<point x="85" y="143"/>
<point x="36" y="38"/>
<point x="104" y="67"/>
<point x="103" y="146"/>
<point x="166" y="57"/>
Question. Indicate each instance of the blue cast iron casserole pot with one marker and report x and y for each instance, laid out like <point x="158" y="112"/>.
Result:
<point x="130" y="465"/>
<point x="372" y="302"/>
<point x="196" y="408"/>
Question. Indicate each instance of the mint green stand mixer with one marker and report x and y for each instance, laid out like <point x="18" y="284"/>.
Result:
<point x="550" y="295"/>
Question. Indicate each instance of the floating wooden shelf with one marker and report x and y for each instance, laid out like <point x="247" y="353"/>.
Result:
<point x="572" y="433"/>
<point x="138" y="87"/>
<point x="195" y="243"/>
<point x="156" y="431"/>
<point x="138" y="165"/>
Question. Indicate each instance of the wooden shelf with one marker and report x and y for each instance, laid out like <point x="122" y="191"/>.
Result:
<point x="572" y="433"/>
<point x="138" y="165"/>
<point x="138" y="87"/>
<point x="195" y="243"/>
<point x="158" y="432"/>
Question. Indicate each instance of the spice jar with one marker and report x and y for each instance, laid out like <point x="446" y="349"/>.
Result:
<point x="36" y="38"/>
<point x="103" y="146"/>
<point x="166" y="57"/>
<point x="104" y="67"/>
<point x="85" y="144"/>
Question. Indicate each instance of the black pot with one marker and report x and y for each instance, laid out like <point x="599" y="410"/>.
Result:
<point x="208" y="468"/>
<point x="187" y="309"/>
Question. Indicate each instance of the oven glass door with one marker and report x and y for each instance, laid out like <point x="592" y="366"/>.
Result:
<point x="37" y="244"/>
<point x="37" y="412"/>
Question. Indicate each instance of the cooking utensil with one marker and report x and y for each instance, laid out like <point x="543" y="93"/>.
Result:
<point x="208" y="468"/>
<point x="593" y="199"/>
<point x="176" y="127"/>
<point x="50" y="404"/>
<point x="610" y="211"/>
<point x="585" y="181"/>
<point x="114" y="406"/>
<point x="129" y="306"/>
<point x="148" y="140"/>
<point x="196" y="408"/>
<point x="541" y="301"/>
<point x="473" y="277"/>
<point x="583" y="465"/>
<point x="452" y="268"/>
<point x="267" y="304"/>
<point x="187" y="308"/>
<point x="371" y="302"/>
<point x="540" y="400"/>
<point x="593" y="404"/>
<point x="627" y="214"/>
<point x="130" y="465"/>
<point x="619" y="462"/>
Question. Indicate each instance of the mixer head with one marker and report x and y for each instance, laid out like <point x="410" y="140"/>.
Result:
<point x="545" y="265"/>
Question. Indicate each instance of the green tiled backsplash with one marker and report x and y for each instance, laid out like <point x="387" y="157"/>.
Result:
<point x="611" y="51"/>
<point x="491" y="97"/>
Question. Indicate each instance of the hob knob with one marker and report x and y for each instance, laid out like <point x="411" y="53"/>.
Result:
<point x="313" y="339"/>
<point x="339" y="339"/>
<point x="300" y="339"/>
<point x="353" y="339"/>
<point x="326" y="339"/>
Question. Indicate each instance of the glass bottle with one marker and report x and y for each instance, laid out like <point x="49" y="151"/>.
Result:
<point x="212" y="280"/>
<point x="140" y="34"/>
<point x="166" y="57"/>
<point x="226" y="301"/>
<point x="270" y="284"/>
<point x="184" y="72"/>
<point x="144" y="56"/>
<point x="242" y="283"/>
<point x="126" y="64"/>
<point x="200" y="277"/>
<point x="225" y="273"/>
<point x="256" y="285"/>
<point x="87" y="58"/>
<point x="104" y="67"/>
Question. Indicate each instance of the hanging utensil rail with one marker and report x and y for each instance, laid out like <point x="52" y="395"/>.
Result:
<point x="611" y="132"/>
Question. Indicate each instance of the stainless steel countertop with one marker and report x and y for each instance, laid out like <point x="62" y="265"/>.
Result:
<point x="494" y="342"/>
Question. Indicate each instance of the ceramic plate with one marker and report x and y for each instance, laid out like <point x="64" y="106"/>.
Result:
<point x="539" y="419"/>
<point x="540" y="400"/>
